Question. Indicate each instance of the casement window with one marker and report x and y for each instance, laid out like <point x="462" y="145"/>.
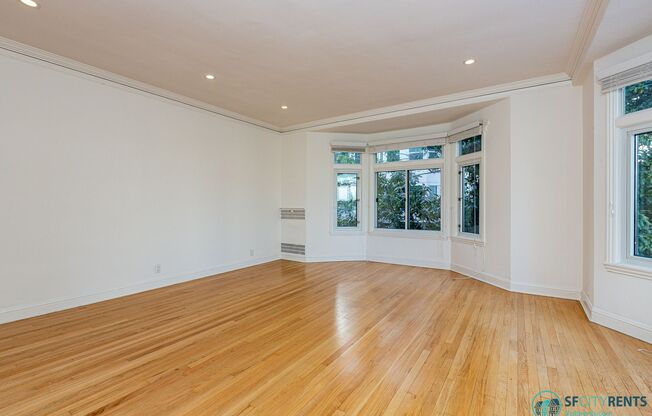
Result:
<point x="408" y="189"/>
<point x="470" y="199"/>
<point x="628" y="97"/>
<point x="637" y="105"/>
<point x="347" y="200"/>
<point x="641" y="201"/>
<point x="469" y="181"/>
<point x="347" y="194"/>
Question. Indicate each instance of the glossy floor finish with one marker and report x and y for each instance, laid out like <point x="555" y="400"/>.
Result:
<point x="288" y="338"/>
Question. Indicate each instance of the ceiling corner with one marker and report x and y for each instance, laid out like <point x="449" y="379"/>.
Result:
<point x="588" y="26"/>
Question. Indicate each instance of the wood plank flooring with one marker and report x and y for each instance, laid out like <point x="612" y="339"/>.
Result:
<point x="287" y="338"/>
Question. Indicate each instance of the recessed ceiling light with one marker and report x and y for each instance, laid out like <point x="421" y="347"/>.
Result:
<point x="30" y="3"/>
<point x="210" y="76"/>
<point x="469" y="61"/>
<point x="284" y="107"/>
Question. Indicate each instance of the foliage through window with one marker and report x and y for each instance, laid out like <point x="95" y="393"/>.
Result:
<point x="347" y="200"/>
<point x="470" y="145"/>
<point x="390" y="199"/>
<point x="424" y="199"/>
<point x="643" y="195"/>
<point x="409" y="199"/>
<point x="413" y="153"/>
<point x="346" y="158"/>
<point x="470" y="199"/>
<point x="638" y="97"/>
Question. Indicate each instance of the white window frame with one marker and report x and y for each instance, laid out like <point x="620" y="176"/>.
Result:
<point x="407" y="165"/>
<point x="347" y="168"/>
<point x="631" y="196"/>
<point x="620" y="132"/>
<point x="460" y="162"/>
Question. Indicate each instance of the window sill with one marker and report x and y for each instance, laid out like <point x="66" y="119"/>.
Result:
<point x="424" y="235"/>
<point x="629" y="270"/>
<point x="468" y="240"/>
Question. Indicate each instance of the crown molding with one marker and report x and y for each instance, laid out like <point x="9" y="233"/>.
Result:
<point x="586" y="30"/>
<point x="27" y="51"/>
<point x="436" y="103"/>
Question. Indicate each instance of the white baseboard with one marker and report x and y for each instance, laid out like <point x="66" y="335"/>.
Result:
<point x="587" y="305"/>
<point x="318" y="259"/>
<point x="616" y="322"/>
<point x="544" y="291"/>
<point x="27" y="311"/>
<point x="432" y="264"/>
<point x="293" y="257"/>
<point x="498" y="281"/>
<point x="621" y="324"/>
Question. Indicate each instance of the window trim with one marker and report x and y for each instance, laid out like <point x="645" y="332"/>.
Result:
<point x="460" y="165"/>
<point x="405" y="166"/>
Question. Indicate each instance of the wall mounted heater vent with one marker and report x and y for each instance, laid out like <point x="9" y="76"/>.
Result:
<point x="293" y="248"/>
<point x="293" y="214"/>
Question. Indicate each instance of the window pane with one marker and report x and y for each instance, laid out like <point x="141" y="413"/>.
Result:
<point x="347" y="158"/>
<point x="390" y="199"/>
<point x="424" y="199"/>
<point x="638" y="97"/>
<point x="347" y="199"/>
<point x="643" y="196"/>
<point x="470" y="145"/>
<point x="470" y="199"/>
<point x="413" y="153"/>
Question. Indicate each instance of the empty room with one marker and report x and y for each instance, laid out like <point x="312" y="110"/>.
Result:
<point x="312" y="207"/>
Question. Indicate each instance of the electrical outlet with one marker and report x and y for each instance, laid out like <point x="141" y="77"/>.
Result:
<point x="251" y="252"/>
<point x="157" y="268"/>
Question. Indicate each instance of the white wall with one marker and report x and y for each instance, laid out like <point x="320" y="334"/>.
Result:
<point x="99" y="183"/>
<point x="588" y="134"/>
<point x="293" y="189"/>
<point x="546" y="190"/>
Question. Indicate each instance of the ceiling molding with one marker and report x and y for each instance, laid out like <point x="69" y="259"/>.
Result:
<point x="26" y="51"/>
<point x="436" y="103"/>
<point x="587" y="28"/>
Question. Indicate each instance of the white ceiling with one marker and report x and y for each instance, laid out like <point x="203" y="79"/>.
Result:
<point x="624" y="22"/>
<point x="321" y="58"/>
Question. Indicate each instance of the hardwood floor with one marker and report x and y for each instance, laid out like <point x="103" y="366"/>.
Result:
<point x="288" y="338"/>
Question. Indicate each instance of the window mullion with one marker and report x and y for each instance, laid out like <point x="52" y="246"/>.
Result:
<point x="407" y="193"/>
